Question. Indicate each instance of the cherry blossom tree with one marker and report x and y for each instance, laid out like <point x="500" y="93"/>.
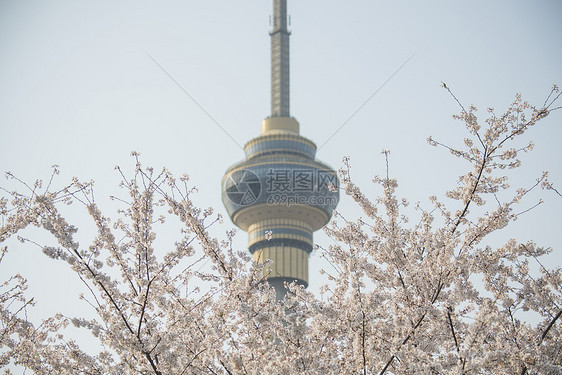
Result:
<point x="409" y="291"/>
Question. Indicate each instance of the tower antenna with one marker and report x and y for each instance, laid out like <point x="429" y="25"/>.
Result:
<point x="280" y="61"/>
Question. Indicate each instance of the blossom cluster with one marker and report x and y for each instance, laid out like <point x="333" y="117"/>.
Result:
<point x="432" y="297"/>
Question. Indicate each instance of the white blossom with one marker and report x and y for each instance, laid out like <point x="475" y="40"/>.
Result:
<point x="431" y="297"/>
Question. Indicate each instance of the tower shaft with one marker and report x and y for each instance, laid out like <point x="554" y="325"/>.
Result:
<point x="280" y="61"/>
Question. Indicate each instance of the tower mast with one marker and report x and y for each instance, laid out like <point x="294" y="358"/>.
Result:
<point x="280" y="61"/>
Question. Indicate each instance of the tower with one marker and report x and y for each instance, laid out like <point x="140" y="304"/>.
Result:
<point x="280" y="194"/>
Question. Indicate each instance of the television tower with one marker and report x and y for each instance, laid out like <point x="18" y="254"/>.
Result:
<point x="280" y="194"/>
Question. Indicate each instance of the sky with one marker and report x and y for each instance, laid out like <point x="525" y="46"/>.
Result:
<point x="80" y="88"/>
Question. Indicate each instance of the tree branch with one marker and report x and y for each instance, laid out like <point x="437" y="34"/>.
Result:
<point x="550" y="325"/>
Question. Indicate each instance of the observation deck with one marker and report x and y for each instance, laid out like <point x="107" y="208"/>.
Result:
<point x="280" y="195"/>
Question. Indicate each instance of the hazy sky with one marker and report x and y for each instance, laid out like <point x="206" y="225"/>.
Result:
<point x="78" y="89"/>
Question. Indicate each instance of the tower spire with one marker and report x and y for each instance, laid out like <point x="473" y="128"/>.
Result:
<point x="280" y="61"/>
